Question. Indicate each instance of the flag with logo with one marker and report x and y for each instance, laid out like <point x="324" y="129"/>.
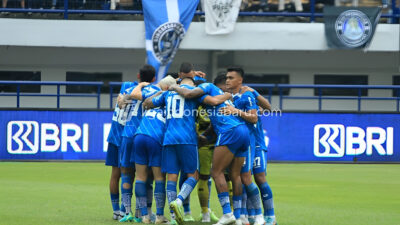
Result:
<point x="350" y="27"/>
<point x="166" y="22"/>
<point x="221" y="15"/>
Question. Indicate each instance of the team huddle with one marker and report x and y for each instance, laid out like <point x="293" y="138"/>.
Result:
<point x="187" y="130"/>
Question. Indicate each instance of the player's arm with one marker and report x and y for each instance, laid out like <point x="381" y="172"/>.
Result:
<point x="217" y="100"/>
<point x="149" y="103"/>
<point x="261" y="101"/>
<point x="137" y="92"/>
<point x="249" y="116"/>
<point x="186" y="93"/>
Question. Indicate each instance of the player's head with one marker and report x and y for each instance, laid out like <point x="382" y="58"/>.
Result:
<point x="166" y="82"/>
<point x="188" y="81"/>
<point x="220" y="81"/>
<point x="147" y="74"/>
<point x="234" y="77"/>
<point x="174" y="75"/>
<point x="186" y="70"/>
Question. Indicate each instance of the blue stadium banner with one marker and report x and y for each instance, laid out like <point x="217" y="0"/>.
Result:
<point x="333" y="137"/>
<point x="166" y="22"/>
<point x="54" y="135"/>
<point x="317" y="137"/>
<point x="350" y="27"/>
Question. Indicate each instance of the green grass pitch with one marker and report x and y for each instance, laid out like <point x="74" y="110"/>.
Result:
<point x="309" y="194"/>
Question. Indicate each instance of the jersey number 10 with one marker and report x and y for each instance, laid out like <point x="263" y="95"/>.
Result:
<point x="175" y="106"/>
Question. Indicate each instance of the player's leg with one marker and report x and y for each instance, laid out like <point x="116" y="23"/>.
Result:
<point x="253" y="194"/>
<point x="141" y="162"/>
<point x="149" y="189"/>
<point x="155" y="162"/>
<point x="222" y="158"/>
<point x="260" y="169"/>
<point x="112" y="160"/>
<point x="171" y="167"/>
<point x="188" y="157"/>
<point x="186" y="203"/>
<point x="127" y="176"/>
<point x="204" y="184"/>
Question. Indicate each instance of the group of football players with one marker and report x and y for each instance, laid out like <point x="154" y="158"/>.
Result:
<point x="188" y="129"/>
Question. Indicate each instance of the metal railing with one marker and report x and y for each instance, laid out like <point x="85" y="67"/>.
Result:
<point x="58" y="84"/>
<point x="321" y="97"/>
<point x="395" y="14"/>
<point x="269" y="87"/>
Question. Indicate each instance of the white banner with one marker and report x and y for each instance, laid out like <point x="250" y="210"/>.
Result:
<point x="221" y="15"/>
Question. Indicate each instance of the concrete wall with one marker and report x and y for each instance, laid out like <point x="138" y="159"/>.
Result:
<point x="55" y="47"/>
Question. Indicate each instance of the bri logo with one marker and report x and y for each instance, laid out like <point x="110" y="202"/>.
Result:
<point x="336" y="140"/>
<point x="25" y="137"/>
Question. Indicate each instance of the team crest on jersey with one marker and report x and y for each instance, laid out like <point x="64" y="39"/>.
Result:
<point x="353" y="28"/>
<point x="166" y="39"/>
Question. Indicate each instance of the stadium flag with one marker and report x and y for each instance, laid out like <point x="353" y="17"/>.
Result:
<point x="166" y="22"/>
<point x="221" y="15"/>
<point x="350" y="27"/>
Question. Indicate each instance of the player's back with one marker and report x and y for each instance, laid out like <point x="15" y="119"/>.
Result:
<point x="134" y="110"/>
<point x="220" y="122"/>
<point x="153" y="120"/>
<point x="181" y="114"/>
<point x="246" y="102"/>
<point x="119" y="118"/>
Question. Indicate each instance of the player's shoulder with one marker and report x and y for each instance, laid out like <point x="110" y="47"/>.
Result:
<point x="248" y="94"/>
<point x="187" y="86"/>
<point x="152" y="88"/>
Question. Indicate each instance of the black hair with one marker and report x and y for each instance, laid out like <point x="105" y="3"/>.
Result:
<point x="238" y="70"/>
<point x="220" y="79"/>
<point x="198" y="82"/>
<point x="147" y="73"/>
<point x="174" y="75"/>
<point x="186" y="67"/>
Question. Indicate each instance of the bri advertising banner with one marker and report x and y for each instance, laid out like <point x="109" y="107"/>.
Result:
<point x="318" y="137"/>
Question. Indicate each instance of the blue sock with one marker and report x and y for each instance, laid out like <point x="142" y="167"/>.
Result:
<point x="141" y="196"/>
<point x="187" y="188"/>
<point x="186" y="202"/>
<point x="171" y="192"/>
<point x="209" y="191"/>
<point x="149" y="188"/>
<point x="237" y="205"/>
<point x="254" y="196"/>
<point x="126" y="192"/>
<point x="267" y="199"/>
<point x="243" y="210"/>
<point x="250" y="208"/>
<point x="115" y="202"/>
<point x="159" y="196"/>
<point x="122" y="208"/>
<point x="223" y="198"/>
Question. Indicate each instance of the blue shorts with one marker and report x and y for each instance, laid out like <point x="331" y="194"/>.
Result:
<point x="112" y="158"/>
<point x="248" y="162"/>
<point x="237" y="140"/>
<point x="147" y="151"/>
<point x="260" y="161"/>
<point x="126" y="150"/>
<point x="177" y="158"/>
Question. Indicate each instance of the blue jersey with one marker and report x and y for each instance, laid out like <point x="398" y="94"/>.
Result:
<point x="246" y="102"/>
<point x="118" y="119"/>
<point x="153" y="122"/>
<point x="134" y="110"/>
<point x="181" y="115"/>
<point x="221" y="123"/>
<point x="260" y="137"/>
